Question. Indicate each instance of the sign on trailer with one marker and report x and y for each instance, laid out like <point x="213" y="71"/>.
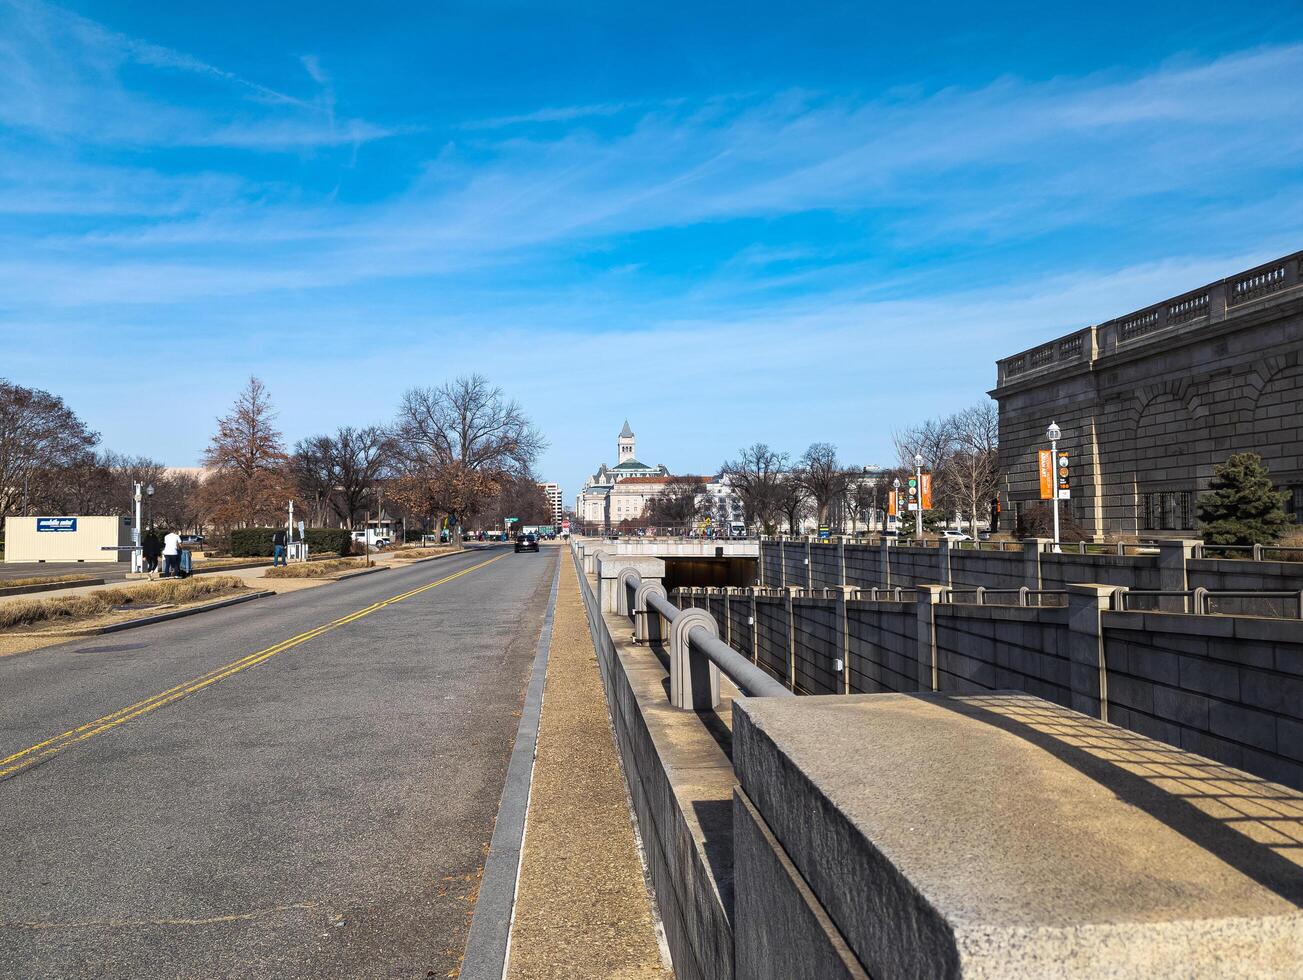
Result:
<point x="65" y="524"/>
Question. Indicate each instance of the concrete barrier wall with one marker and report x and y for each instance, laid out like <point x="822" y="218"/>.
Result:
<point x="993" y="648"/>
<point x="1058" y="571"/>
<point x="835" y="563"/>
<point x="1229" y="688"/>
<point x="816" y="626"/>
<point x="882" y="646"/>
<point x="1228" y="575"/>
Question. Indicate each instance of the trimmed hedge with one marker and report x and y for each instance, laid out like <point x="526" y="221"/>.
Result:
<point x="329" y="540"/>
<point x="251" y="542"/>
<point x="255" y="542"/>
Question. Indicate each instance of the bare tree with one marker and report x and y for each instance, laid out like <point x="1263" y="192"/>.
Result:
<point x="677" y="504"/>
<point x="755" y="477"/>
<point x="517" y="496"/>
<point x="861" y="498"/>
<point x="822" y="476"/>
<point x="313" y="468"/>
<point x="360" y="457"/>
<point x="249" y="482"/>
<point x="934" y="440"/>
<point x="456" y="443"/>
<point x="972" y="473"/>
<point x="39" y="436"/>
<point x="793" y="501"/>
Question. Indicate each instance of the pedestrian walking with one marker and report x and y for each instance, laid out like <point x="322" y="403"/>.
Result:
<point x="171" y="555"/>
<point x="150" y="549"/>
<point x="278" y="540"/>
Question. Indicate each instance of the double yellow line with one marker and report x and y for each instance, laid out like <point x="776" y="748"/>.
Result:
<point x="30" y="756"/>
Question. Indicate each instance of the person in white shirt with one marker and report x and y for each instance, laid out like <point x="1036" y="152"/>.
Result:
<point x="171" y="554"/>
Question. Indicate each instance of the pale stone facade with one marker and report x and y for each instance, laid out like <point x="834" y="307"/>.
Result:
<point x="1150" y="402"/>
<point x="593" y="500"/>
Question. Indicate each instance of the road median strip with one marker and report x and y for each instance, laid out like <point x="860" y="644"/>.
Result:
<point x="23" y="759"/>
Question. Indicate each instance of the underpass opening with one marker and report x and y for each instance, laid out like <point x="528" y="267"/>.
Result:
<point x="682" y="573"/>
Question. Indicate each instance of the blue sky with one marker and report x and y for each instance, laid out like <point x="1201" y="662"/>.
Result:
<point x="724" y="222"/>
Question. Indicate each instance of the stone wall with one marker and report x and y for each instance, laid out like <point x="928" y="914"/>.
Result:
<point x="1150" y="402"/>
<point x="1229" y="687"/>
<point x="877" y="566"/>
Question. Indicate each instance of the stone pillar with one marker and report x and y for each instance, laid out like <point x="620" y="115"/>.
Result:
<point x="755" y="630"/>
<point x="809" y="566"/>
<point x="844" y="594"/>
<point x="1032" y="548"/>
<point x="1173" y="554"/>
<point x="943" y="563"/>
<point x="928" y="597"/>
<point x="884" y="562"/>
<point x="1086" y="671"/>
<point x="791" y="640"/>
<point x="841" y="559"/>
<point x="782" y="563"/>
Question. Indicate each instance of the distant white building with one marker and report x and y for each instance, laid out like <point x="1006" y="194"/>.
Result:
<point x="553" y="493"/>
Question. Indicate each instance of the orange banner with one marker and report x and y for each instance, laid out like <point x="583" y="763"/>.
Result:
<point x="1046" y="461"/>
<point x="891" y="503"/>
<point x="925" y="490"/>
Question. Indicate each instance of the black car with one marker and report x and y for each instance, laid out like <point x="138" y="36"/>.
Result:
<point x="526" y="542"/>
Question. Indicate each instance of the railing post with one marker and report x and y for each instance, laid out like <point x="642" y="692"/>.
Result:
<point x="782" y="562"/>
<point x="1087" y="672"/>
<point x="809" y="565"/>
<point x="841" y="558"/>
<point x="884" y="562"/>
<point x="943" y="562"/>
<point x="755" y="629"/>
<point x="1173" y="573"/>
<point x="926" y="635"/>
<point x="694" y="679"/>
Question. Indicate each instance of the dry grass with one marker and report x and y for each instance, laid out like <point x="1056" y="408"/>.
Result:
<point x="409" y="553"/>
<point x="315" y="569"/>
<point x="206" y="563"/>
<point x="33" y="612"/>
<point x="14" y="583"/>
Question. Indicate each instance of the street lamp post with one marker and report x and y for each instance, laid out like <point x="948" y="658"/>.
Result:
<point x="895" y="486"/>
<point x="149" y="502"/>
<point x="918" y="498"/>
<point x="1053" y="433"/>
<point x="137" y="563"/>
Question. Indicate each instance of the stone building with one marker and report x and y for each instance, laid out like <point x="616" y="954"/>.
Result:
<point x="1150" y="402"/>
<point x="594" y="499"/>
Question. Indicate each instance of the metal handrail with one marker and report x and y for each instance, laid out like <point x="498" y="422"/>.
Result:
<point x="1198" y="601"/>
<point x="737" y="668"/>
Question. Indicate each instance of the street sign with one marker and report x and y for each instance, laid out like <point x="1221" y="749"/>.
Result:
<point x="510" y="520"/>
<point x="825" y="532"/>
<point x="1065" y="490"/>
<point x="1045" y="463"/>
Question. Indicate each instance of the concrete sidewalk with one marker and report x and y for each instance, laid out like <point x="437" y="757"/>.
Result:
<point x="582" y="906"/>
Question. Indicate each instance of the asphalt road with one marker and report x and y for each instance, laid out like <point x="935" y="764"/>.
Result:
<point x="322" y="809"/>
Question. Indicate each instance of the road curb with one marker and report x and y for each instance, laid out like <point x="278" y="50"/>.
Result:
<point x="422" y="561"/>
<point x="353" y="574"/>
<point x="164" y="617"/>
<point x="485" y="957"/>
<point x="49" y="587"/>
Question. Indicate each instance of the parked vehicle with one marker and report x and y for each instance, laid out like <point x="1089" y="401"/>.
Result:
<point x="950" y="534"/>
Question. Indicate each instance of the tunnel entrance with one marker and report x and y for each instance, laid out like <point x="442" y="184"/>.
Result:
<point x="709" y="572"/>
